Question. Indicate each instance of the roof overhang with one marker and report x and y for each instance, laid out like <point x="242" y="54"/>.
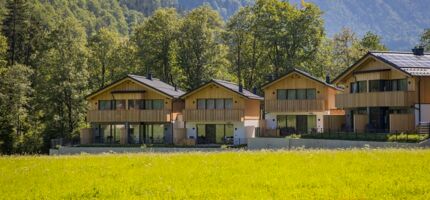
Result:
<point x="361" y="61"/>
<point x="122" y="80"/>
<point x="300" y="73"/>
<point x="205" y="85"/>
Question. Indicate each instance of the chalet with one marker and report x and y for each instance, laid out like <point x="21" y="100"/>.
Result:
<point x="386" y="91"/>
<point x="133" y="110"/>
<point x="298" y="102"/>
<point x="221" y="112"/>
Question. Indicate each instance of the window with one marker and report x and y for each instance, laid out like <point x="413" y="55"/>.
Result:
<point x="157" y="104"/>
<point x="105" y="105"/>
<point x="210" y="104"/>
<point x="291" y="94"/>
<point x="228" y="103"/>
<point x="301" y="94"/>
<point x="311" y="94"/>
<point x="402" y="85"/>
<point x="219" y="133"/>
<point x="119" y="104"/>
<point x="281" y="94"/>
<point x="358" y="87"/>
<point x="219" y="103"/>
<point x="387" y="85"/>
<point x="214" y="103"/>
<point x="135" y="104"/>
<point x="282" y="121"/>
<point x="374" y="86"/>
<point x="291" y="121"/>
<point x="362" y="86"/>
<point x="148" y="104"/>
<point x="201" y="104"/>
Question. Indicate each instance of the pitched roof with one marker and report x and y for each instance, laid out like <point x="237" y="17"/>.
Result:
<point x="228" y="85"/>
<point x="306" y="74"/>
<point x="153" y="83"/>
<point x="407" y="62"/>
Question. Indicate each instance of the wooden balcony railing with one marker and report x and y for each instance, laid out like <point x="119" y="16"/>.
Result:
<point x="303" y="105"/>
<point x="128" y="116"/>
<point x="375" y="99"/>
<point x="201" y="115"/>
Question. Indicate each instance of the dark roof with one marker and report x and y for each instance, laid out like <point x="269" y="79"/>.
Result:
<point x="230" y="86"/>
<point x="154" y="83"/>
<point x="306" y="74"/>
<point x="406" y="62"/>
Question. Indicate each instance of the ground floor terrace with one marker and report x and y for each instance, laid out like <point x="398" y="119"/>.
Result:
<point x="232" y="133"/>
<point x="128" y="133"/>
<point x="288" y="123"/>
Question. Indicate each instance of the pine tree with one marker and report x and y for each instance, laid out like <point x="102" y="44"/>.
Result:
<point x="15" y="29"/>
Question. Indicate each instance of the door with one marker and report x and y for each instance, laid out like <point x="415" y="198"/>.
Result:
<point x="211" y="133"/>
<point x="302" y="124"/>
<point x="378" y="118"/>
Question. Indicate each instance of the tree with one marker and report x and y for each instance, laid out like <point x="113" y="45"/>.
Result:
<point x="15" y="28"/>
<point x="103" y="46"/>
<point x="201" y="55"/>
<point x="246" y="52"/>
<point x="156" y="42"/>
<point x="425" y="39"/>
<point x="63" y="69"/>
<point x="14" y="96"/>
<point x="291" y="35"/>
<point x="370" y="42"/>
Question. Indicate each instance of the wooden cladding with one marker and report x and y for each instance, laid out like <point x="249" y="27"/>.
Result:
<point x="302" y="105"/>
<point x="128" y="116"/>
<point x="402" y="122"/>
<point x="204" y="115"/>
<point x="375" y="99"/>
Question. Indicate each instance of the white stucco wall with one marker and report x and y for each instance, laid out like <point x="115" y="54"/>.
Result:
<point x="271" y="119"/>
<point x="425" y="113"/>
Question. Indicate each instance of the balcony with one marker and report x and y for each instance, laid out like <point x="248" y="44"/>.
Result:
<point x="128" y="116"/>
<point x="201" y="115"/>
<point x="375" y="99"/>
<point x="303" y="105"/>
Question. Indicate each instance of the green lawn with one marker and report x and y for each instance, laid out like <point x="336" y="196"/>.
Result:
<point x="349" y="174"/>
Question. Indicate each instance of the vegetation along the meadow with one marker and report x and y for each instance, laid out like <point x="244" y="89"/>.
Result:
<point x="348" y="174"/>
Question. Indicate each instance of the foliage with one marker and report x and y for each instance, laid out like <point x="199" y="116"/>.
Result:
<point x="312" y="174"/>
<point x="201" y="55"/>
<point x="425" y="39"/>
<point x="157" y="44"/>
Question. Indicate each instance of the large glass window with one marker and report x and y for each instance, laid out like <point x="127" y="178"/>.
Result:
<point x="148" y="104"/>
<point x="105" y="105"/>
<point x="157" y="133"/>
<point x="291" y="122"/>
<point x="219" y="103"/>
<point x="228" y="103"/>
<point x="106" y="132"/>
<point x="201" y="130"/>
<point x="301" y="94"/>
<point x="135" y="104"/>
<point x="134" y="134"/>
<point x="229" y="130"/>
<point x="291" y="94"/>
<point x="119" y="104"/>
<point x="312" y="123"/>
<point x="282" y="121"/>
<point x="210" y="104"/>
<point x="157" y="104"/>
<point x="281" y="94"/>
<point x="214" y="103"/>
<point x="201" y="104"/>
<point x="387" y="85"/>
<point x="118" y="130"/>
<point x="358" y="87"/>
<point x="311" y="94"/>
<point x="220" y="132"/>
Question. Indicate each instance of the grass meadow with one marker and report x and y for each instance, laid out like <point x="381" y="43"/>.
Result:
<point x="306" y="174"/>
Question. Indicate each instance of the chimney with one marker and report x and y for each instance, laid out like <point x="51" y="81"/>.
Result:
<point x="269" y="77"/>
<point x="254" y="90"/>
<point x="176" y="87"/>
<point x="240" y="88"/>
<point x="149" y="76"/>
<point x="327" y="78"/>
<point x="418" y="51"/>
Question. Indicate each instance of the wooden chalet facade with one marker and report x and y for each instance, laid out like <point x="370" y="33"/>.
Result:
<point x="297" y="102"/>
<point x="386" y="92"/>
<point x="221" y="112"/>
<point x="133" y="110"/>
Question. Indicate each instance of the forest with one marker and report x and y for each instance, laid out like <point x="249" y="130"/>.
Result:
<point x="54" y="53"/>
